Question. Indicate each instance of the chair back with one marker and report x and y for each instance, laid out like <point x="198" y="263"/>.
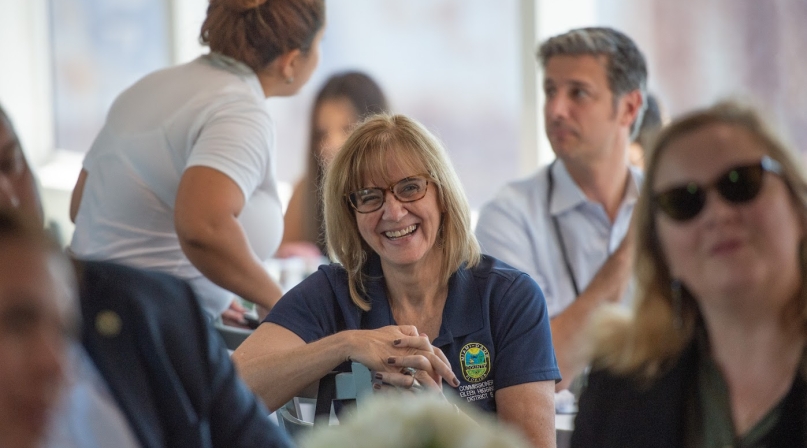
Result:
<point x="290" y="418"/>
<point x="355" y="384"/>
<point x="232" y="336"/>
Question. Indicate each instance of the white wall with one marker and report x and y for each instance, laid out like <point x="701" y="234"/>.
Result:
<point x="25" y="85"/>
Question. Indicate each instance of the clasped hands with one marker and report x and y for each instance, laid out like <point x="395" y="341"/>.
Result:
<point x="402" y="358"/>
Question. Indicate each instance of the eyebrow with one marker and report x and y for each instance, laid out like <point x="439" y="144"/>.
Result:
<point x="572" y="82"/>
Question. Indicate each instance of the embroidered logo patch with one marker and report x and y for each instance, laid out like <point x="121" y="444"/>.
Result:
<point x="475" y="362"/>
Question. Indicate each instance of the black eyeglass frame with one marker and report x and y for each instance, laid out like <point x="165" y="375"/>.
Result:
<point x="661" y="201"/>
<point x="391" y="189"/>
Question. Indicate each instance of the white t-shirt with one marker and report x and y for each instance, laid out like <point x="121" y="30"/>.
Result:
<point x="209" y="112"/>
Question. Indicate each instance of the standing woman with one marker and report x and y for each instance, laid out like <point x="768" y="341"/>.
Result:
<point x="345" y="99"/>
<point x="181" y="177"/>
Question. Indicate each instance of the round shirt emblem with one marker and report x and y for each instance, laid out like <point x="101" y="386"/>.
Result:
<point x="475" y="362"/>
<point x="108" y="323"/>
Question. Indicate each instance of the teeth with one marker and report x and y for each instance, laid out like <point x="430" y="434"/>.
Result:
<point x="400" y="233"/>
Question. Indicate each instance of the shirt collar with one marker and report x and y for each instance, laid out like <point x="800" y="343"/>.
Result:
<point x="567" y="195"/>
<point x="462" y="314"/>
<point x="237" y="68"/>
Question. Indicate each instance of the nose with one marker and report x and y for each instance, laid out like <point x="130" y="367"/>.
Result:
<point x="394" y="209"/>
<point x="717" y="208"/>
<point x="557" y="106"/>
<point x="8" y="194"/>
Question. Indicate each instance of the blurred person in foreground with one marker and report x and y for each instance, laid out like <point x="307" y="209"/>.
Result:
<point x="344" y="100"/>
<point x="149" y="371"/>
<point x="182" y="177"/>
<point x="714" y="353"/>
<point x="411" y="291"/>
<point x="38" y="313"/>
<point x="566" y="225"/>
<point x="414" y="421"/>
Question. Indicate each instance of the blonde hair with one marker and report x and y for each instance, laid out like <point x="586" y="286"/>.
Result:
<point x="651" y="339"/>
<point x="367" y="153"/>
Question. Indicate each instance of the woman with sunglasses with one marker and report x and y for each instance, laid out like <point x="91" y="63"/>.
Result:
<point x="412" y="298"/>
<point x="714" y="352"/>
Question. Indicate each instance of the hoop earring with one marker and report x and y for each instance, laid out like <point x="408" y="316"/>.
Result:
<point x="676" y="290"/>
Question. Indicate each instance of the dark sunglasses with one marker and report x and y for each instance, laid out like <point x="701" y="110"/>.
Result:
<point x="737" y="185"/>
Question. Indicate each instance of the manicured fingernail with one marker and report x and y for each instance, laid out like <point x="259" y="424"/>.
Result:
<point x="378" y="376"/>
<point x="377" y="386"/>
<point x="456" y="382"/>
<point x="396" y="342"/>
<point x="390" y="360"/>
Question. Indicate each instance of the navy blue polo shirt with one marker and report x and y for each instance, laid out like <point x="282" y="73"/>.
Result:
<point x="495" y="328"/>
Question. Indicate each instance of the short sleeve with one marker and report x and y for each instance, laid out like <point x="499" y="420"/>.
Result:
<point x="502" y="232"/>
<point x="309" y="310"/>
<point x="236" y="139"/>
<point x="524" y="351"/>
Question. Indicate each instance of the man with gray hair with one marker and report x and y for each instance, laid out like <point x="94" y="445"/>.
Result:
<point x="566" y="225"/>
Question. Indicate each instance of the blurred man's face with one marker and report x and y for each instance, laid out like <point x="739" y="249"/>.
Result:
<point x="32" y="341"/>
<point x="581" y="121"/>
<point x="17" y="186"/>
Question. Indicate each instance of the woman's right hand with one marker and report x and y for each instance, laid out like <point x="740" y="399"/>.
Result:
<point x="234" y="315"/>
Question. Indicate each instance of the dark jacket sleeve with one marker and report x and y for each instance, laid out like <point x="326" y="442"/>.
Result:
<point x="588" y="425"/>
<point x="237" y="418"/>
<point x="165" y="364"/>
<point x="625" y="411"/>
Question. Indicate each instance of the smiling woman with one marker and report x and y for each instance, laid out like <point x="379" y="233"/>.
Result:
<point x="411" y="291"/>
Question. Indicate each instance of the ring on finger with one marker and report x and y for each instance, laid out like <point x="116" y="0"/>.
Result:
<point x="411" y="371"/>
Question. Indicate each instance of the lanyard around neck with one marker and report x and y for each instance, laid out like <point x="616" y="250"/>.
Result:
<point x="558" y="235"/>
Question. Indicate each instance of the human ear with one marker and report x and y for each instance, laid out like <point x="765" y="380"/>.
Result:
<point x="632" y="103"/>
<point x="287" y="63"/>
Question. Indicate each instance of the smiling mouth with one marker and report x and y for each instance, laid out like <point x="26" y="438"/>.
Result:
<point x="395" y="234"/>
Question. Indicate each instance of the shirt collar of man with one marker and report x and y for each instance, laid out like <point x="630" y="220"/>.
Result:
<point x="567" y="195"/>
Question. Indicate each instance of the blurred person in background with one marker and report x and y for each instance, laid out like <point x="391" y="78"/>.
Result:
<point x="566" y="225"/>
<point x="344" y="100"/>
<point x="714" y="353"/>
<point x="181" y="178"/>
<point x="149" y="370"/>
<point x="651" y="125"/>
<point x="411" y="290"/>
<point x="38" y="313"/>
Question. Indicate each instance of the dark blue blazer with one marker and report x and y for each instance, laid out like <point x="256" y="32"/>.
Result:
<point x="164" y="363"/>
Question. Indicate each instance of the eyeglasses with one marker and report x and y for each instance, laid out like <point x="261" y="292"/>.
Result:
<point x="738" y="185"/>
<point x="410" y="189"/>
